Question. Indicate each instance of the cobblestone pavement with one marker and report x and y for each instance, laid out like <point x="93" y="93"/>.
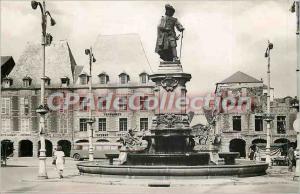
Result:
<point x="21" y="177"/>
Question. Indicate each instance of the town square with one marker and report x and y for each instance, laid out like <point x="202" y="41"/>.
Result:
<point x="150" y="96"/>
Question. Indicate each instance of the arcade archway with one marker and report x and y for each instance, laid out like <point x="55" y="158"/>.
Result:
<point x="7" y="148"/>
<point x="25" y="148"/>
<point x="66" y="146"/>
<point x="238" y="145"/>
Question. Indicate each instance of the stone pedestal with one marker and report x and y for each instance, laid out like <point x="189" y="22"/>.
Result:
<point x="170" y="81"/>
<point x="171" y="132"/>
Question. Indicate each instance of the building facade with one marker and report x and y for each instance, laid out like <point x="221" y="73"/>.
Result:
<point x="243" y="124"/>
<point x="67" y="89"/>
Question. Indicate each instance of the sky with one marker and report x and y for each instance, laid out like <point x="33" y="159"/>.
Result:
<point x="221" y="37"/>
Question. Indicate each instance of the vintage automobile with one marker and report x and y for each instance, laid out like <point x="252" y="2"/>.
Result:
<point x="81" y="150"/>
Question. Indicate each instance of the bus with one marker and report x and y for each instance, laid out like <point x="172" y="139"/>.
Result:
<point x="81" y="150"/>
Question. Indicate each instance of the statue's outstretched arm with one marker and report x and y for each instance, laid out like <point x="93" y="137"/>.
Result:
<point x="179" y="26"/>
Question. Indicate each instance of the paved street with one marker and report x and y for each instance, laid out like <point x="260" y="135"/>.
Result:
<point x="22" y="179"/>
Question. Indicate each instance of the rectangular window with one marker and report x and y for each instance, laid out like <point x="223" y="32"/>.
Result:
<point x="281" y="125"/>
<point x="63" y="124"/>
<point x="143" y="124"/>
<point x="102" y="79"/>
<point x="123" y="79"/>
<point x="144" y="79"/>
<point x="83" y="103"/>
<point x="64" y="82"/>
<point x="24" y="106"/>
<point x="123" y="103"/>
<point x="102" y="124"/>
<point x="25" y="125"/>
<point x="83" y="80"/>
<point x="5" y="125"/>
<point x="123" y="124"/>
<point x="143" y="102"/>
<point x="82" y="125"/>
<point x="26" y="83"/>
<point x="102" y="103"/>
<point x="5" y="108"/>
<point x="259" y="123"/>
<point x="236" y="123"/>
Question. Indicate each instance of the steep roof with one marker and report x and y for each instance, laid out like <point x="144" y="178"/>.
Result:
<point x="59" y="63"/>
<point x="240" y="77"/>
<point x="116" y="54"/>
<point x="7" y="64"/>
<point x="4" y="59"/>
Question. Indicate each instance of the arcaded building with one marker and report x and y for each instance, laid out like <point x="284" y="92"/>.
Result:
<point x="118" y="72"/>
<point x="242" y="124"/>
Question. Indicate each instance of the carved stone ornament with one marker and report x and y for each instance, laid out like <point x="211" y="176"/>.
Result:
<point x="168" y="120"/>
<point x="169" y="84"/>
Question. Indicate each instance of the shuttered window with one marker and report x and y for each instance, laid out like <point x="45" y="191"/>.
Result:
<point x="5" y="105"/>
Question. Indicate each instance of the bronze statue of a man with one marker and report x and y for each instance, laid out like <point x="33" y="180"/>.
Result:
<point x="166" y="35"/>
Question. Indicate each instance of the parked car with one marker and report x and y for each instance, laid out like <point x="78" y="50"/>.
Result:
<point x="81" y="150"/>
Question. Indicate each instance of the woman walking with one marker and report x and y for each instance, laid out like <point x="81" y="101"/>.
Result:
<point x="59" y="157"/>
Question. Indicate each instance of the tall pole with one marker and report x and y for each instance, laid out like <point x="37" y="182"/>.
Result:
<point x="296" y="8"/>
<point x="43" y="108"/>
<point x="268" y="115"/>
<point x="90" y="120"/>
<point x="42" y="156"/>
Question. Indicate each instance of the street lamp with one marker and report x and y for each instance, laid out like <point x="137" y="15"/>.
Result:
<point x="296" y="8"/>
<point x="268" y="118"/>
<point x="43" y="108"/>
<point x="91" y="120"/>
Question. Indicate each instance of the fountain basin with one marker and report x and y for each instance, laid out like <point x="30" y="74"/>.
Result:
<point x="247" y="168"/>
<point x="188" y="159"/>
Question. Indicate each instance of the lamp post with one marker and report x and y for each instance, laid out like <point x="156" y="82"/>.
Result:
<point x="268" y="117"/>
<point x="43" y="108"/>
<point x="90" y="120"/>
<point x="296" y="8"/>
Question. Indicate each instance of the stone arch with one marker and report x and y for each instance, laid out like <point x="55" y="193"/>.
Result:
<point x="82" y="141"/>
<point x="49" y="148"/>
<point x="7" y="148"/>
<point x="66" y="146"/>
<point x="256" y="142"/>
<point x="25" y="148"/>
<point x="259" y="140"/>
<point x="238" y="145"/>
<point x="282" y="140"/>
<point x="102" y="140"/>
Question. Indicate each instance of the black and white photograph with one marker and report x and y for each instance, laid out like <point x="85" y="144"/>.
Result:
<point x="143" y="97"/>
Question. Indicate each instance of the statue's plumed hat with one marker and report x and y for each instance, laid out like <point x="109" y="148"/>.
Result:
<point x="170" y="7"/>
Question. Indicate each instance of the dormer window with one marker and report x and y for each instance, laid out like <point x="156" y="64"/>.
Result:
<point x="104" y="78"/>
<point x="65" y="81"/>
<point x="27" y="81"/>
<point x="124" y="78"/>
<point x="144" y="78"/>
<point x="7" y="82"/>
<point x="84" y="78"/>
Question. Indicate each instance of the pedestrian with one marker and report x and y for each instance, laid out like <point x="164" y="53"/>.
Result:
<point x="257" y="154"/>
<point x="251" y="154"/>
<point x="291" y="158"/>
<point x="59" y="157"/>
